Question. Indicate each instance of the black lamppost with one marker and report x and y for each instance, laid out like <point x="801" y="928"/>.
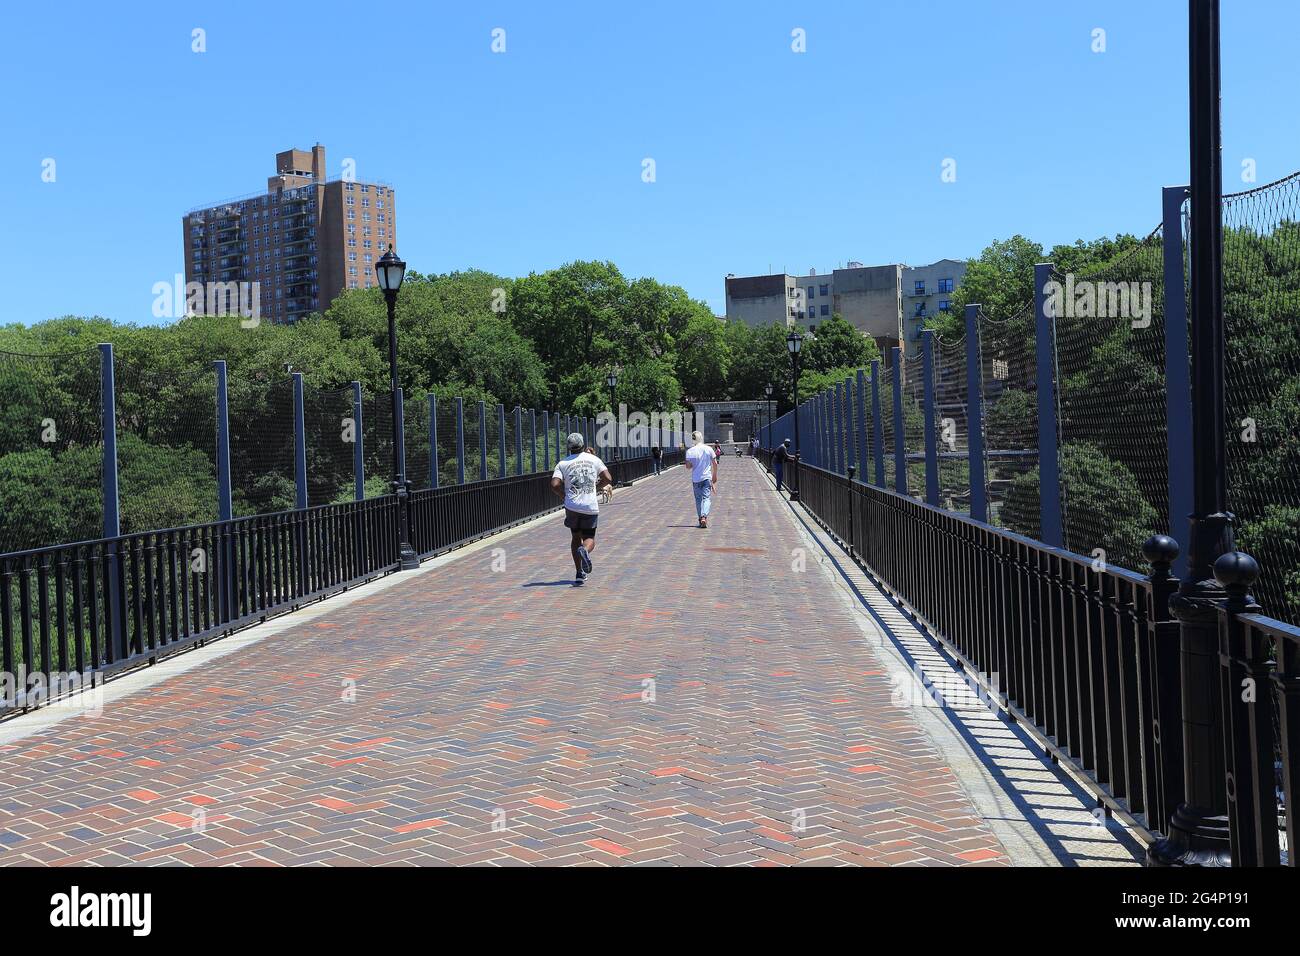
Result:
<point x="611" y="382"/>
<point x="390" y="271"/>
<point x="1198" y="832"/>
<point x="767" y="390"/>
<point x="793" y="343"/>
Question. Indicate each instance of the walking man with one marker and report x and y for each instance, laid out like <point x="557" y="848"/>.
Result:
<point x="578" y="477"/>
<point x="703" y="462"/>
<point x="779" y="458"/>
<point x="657" y="455"/>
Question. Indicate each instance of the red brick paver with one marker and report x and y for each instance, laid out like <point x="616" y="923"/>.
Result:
<point x="699" y="701"/>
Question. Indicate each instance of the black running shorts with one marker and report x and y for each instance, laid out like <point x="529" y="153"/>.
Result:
<point x="579" y="521"/>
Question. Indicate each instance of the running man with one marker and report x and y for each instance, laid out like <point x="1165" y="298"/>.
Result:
<point x="703" y="463"/>
<point x="577" y="479"/>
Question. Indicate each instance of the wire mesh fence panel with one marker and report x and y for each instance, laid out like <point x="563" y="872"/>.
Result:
<point x="260" y="414"/>
<point x="166" y="445"/>
<point x="851" y="424"/>
<point x="330" y="427"/>
<point x="914" y="419"/>
<point x="447" y="460"/>
<point x="512" y="460"/>
<point x="1261" y="300"/>
<point x="415" y="424"/>
<point x="377" y="429"/>
<point x="1007" y="356"/>
<point x="493" y="432"/>
<point x="952" y="423"/>
<point x="473" y="448"/>
<point x="887" y="423"/>
<point x="1110" y="392"/>
<point x="51" y="450"/>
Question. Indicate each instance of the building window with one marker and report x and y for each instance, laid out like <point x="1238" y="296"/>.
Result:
<point x="826" y="309"/>
<point x="352" y="200"/>
<point x="352" y="257"/>
<point x="825" y="290"/>
<point x="945" y="285"/>
<point x="919" y="310"/>
<point x="918" y="287"/>
<point x="944" y="305"/>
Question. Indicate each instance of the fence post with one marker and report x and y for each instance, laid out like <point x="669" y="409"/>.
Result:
<point x="112" y="513"/>
<point x="900" y="444"/>
<point x="519" y="440"/>
<point x="877" y="424"/>
<point x="1178" y="375"/>
<point x="460" y="439"/>
<point x="1049" y="469"/>
<point x="433" y="440"/>
<point x="532" y="434"/>
<point x="979" y="491"/>
<point x="358" y="445"/>
<point x="1164" y="684"/>
<point x="299" y="444"/>
<point x="482" y="440"/>
<point x="845" y="390"/>
<point x="225" y="582"/>
<point x="1248" y="746"/>
<point x="931" y="434"/>
<point x="861" y="409"/>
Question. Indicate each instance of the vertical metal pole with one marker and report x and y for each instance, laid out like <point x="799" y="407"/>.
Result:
<point x="358" y="445"/>
<point x="299" y="444"/>
<point x="225" y="506"/>
<point x="482" y="441"/>
<point x="979" y="497"/>
<point x="845" y="390"/>
<point x="860" y="409"/>
<point x="1178" y="376"/>
<point x="1199" y="831"/>
<point x="223" y="562"/>
<point x="900" y="443"/>
<point x="931" y="433"/>
<point x="433" y="440"/>
<point x="532" y="434"/>
<point x="399" y="435"/>
<point x="1049" y="468"/>
<point x="877" y="424"/>
<point x="459" y="404"/>
<point x="112" y="514"/>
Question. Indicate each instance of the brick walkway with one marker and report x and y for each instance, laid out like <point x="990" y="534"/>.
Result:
<point x="698" y="702"/>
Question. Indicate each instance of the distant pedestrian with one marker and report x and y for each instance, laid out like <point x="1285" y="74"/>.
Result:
<point x="577" y="479"/>
<point x="657" y="456"/>
<point x="753" y="447"/>
<point x="703" y="462"/>
<point x="779" y="458"/>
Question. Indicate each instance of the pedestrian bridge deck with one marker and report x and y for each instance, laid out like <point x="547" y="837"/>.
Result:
<point x="741" y="695"/>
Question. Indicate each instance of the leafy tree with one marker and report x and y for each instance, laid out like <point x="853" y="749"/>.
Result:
<point x="836" y="345"/>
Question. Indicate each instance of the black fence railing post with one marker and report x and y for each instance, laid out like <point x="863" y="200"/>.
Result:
<point x="979" y="500"/>
<point x="1246" y="694"/>
<point x="1159" y="668"/>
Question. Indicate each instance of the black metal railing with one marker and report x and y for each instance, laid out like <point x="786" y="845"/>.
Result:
<point x="72" y="614"/>
<point x="1087" y="655"/>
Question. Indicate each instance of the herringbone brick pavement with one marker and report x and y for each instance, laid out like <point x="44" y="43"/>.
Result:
<point x="701" y="701"/>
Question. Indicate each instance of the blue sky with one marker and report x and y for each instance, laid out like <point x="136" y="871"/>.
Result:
<point x="517" y="162"/>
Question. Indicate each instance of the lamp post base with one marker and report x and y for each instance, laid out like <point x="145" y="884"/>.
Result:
<point x="1194" y="840"/>
<point x="408" y="560"/>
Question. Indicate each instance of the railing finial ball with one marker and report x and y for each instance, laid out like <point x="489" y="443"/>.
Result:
<point x="1236" y="569"/>
<point x="1160" y="549"/>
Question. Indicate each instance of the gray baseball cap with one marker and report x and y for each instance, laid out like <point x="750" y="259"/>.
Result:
<point x="575" y="442"/>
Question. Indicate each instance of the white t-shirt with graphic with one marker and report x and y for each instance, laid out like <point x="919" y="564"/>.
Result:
<point x="579" y="473"/>
<point x="700" y="458"/>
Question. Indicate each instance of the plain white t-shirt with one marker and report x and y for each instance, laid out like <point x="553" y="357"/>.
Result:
<point x="579" y="473"/>
<point x="701" y="461"/>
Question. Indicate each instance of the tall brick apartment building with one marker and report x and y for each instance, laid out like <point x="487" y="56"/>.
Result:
<point x="304" y="241"/>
